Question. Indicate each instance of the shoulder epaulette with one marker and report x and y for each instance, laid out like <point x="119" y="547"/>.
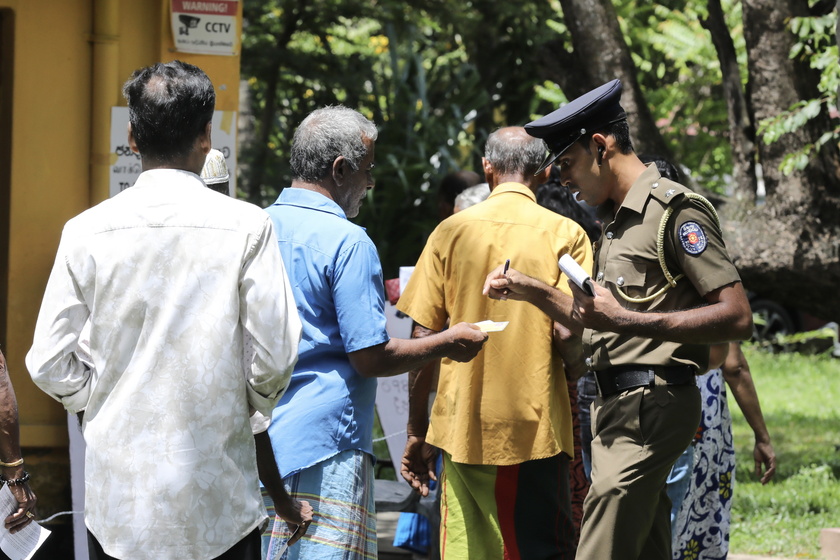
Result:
<point x="670" y="195"/>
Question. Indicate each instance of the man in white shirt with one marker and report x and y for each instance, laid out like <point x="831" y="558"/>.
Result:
<point x="193" y="329"/>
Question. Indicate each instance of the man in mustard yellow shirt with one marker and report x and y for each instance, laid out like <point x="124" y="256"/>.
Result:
<point x="503" y="420"/>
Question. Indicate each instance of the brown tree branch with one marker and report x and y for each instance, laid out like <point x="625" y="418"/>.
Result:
<point x="265" y="123"/>
<point x="742" y="129"/>
<point x="602" y="51"/>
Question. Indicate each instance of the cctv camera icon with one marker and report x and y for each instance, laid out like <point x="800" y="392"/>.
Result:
<point x="188" y="22"/>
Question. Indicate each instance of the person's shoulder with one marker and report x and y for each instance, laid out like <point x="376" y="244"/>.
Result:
<point x="312" y="213"/>
<point x="538" y="214"/>
<point x="238" y="211"/>
<point x="669" y="193"/>
<point x="457" y="222"/>
<point x="562" y="225"/>
<point x="94" y="218"/>
<point x="353" y="233"/>
<point x="681" y="199"/>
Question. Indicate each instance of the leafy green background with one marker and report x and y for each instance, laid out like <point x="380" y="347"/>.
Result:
<point x="437" y="76"/>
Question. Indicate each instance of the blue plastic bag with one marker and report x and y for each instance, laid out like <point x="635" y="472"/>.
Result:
<point x="413" y="533"/>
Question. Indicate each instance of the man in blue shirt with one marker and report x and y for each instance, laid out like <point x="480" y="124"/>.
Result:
<point x="322" y="429"/>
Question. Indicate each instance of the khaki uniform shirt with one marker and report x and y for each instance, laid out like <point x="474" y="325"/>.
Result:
<point x="510" y="404"/>
<point x="626" y="258"/>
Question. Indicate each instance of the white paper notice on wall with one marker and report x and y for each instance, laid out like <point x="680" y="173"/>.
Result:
<point x="126" y="165"/>
<point x="205" y="26"/>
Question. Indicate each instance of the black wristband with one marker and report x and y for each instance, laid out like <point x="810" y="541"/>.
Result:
<point x="15" y="481"/>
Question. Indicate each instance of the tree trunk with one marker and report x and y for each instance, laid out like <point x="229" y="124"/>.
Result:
<point x="253" y="183"/>
<point x="792" y="239"/>
<point x="741" y="127"/>
<point x="603" y="55"/>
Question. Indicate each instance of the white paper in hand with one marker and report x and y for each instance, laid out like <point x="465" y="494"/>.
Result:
<point x="579" y="276"/>
<point x="23" y="544"/>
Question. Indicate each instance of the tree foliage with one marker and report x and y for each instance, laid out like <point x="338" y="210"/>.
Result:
<point x="816" y="46"/>
<point x="437" y="76"/>
<point x="431" y="75"/>
<point x="680" y="74"/>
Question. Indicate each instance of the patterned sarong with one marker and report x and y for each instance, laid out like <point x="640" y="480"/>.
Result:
<point x="701" y="531"/>
<point x="340" y="491"/>
<point x="516" y="512"/>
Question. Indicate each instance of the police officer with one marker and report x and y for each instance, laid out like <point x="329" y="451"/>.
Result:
<point x="664" y="290"/>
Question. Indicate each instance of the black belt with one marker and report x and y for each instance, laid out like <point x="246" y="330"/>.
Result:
<point x="621" y="378"/>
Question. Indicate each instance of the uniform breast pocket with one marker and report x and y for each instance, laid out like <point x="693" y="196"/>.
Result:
<point x="627" y="277"/>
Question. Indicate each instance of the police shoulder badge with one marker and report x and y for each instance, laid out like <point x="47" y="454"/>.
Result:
<point x="693" y="238"/>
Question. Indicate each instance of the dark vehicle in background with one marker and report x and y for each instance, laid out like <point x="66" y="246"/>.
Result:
<point x="782" y="328"/>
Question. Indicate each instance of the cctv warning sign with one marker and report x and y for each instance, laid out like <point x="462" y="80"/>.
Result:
<point x="205" y="26"/>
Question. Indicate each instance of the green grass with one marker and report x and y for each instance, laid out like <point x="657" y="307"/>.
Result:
<point x="800" y="399"/>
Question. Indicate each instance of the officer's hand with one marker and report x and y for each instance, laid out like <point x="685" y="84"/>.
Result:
<point x="510" y="285"/>
<point x="467" y="340"/>
<point x="600" y="312"/>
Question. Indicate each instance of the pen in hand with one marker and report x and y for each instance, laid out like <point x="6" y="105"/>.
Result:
<point x="507" y="266"/>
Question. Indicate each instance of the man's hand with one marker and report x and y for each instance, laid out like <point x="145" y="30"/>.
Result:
<point x="506" y="285"/>
<point x="418" y="464"/>
<point x="569" y="346"/>
<point x="23" y="515"/>
<point x="296" y="513"/>
<point x="764" y="457"/>
<point x="601" y="312"/>
<point x="467" y="342"/>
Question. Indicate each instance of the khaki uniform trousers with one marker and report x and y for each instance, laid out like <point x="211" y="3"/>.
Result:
<point x="637" y="436"/>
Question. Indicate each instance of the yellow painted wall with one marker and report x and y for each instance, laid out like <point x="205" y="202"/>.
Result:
<point x="71" y="58"/>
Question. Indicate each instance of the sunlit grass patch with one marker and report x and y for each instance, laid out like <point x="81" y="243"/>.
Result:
<point x="800" y="398"/>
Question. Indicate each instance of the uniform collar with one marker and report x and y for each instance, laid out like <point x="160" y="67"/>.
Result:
<point x="637" y="196"/>
<point x="513" y="187"/>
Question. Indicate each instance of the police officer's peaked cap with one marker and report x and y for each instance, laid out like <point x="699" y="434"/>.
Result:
<point x="568" y="124"/>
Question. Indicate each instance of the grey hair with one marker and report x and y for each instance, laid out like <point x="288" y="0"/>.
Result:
<point x="324" y="135"/>
<point x="511" y="152"/>
<point x="472" y="196"/>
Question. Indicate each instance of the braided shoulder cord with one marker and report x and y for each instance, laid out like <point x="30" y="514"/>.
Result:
<point x="660" y="250"/>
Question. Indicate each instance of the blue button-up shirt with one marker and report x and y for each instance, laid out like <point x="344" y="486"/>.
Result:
<point x="336" y="278"/>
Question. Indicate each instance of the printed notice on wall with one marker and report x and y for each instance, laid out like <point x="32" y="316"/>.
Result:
<point x="126" y="165"/>
<point x="205" y="26"/>
<point x="392" y="392"/>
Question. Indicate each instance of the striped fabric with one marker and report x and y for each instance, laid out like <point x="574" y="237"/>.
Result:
<point x="340" y="491"/>
<point x="516" y="512"/>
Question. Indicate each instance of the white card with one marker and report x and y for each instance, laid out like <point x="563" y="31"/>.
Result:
<point x="492" y="326"/>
